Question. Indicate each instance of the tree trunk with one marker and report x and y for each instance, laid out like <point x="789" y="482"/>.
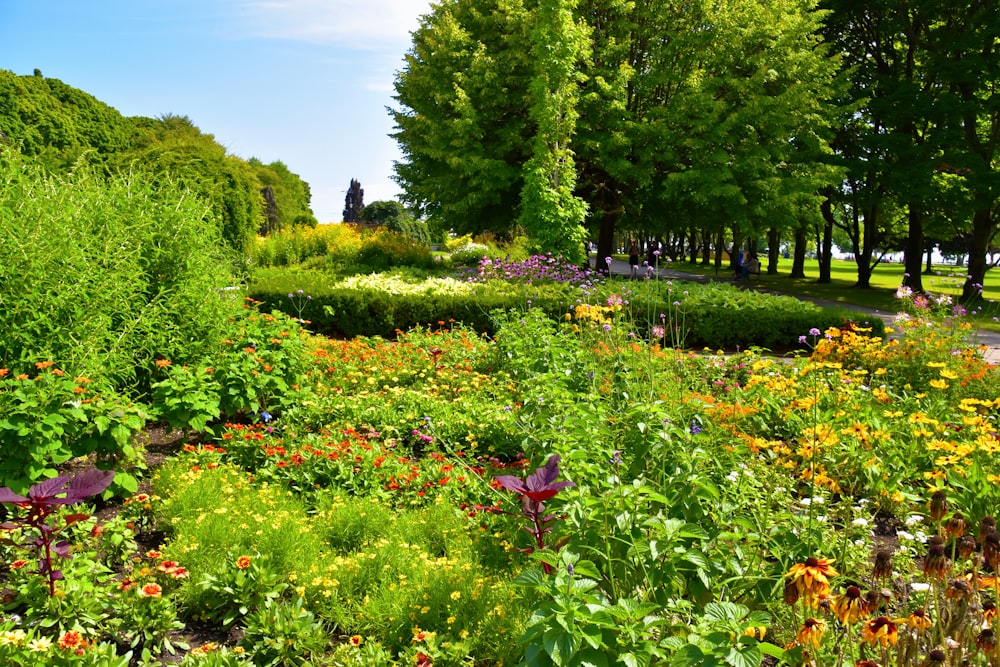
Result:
<point x="826" y="245"/>
<point x="773" y="250"/>
<point x="979" y="241"/>
<point x="720" y="241"/>
<point x="929" y="267"/>
<point x="606" y="240"/>
<point x="799" y="254"/>
<point x="913" y="250"/>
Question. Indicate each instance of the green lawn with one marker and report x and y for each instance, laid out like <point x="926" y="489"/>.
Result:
<point x="881" y="295"/>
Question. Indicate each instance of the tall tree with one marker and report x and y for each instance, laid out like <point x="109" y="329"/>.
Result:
<point x="694" y="110"/>
<point x="550" y="210"/>
<point x="354" y="202"/>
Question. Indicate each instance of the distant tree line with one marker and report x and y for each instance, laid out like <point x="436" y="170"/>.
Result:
<point x="62" y="127"/>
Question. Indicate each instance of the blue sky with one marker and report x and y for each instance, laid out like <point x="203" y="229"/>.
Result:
<point x="301" y="81"/>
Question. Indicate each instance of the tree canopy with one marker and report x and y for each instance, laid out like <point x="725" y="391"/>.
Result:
<point x="704" y="113"/>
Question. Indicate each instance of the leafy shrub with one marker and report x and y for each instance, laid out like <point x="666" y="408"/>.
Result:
<point x="101" y="275"/>
<point x="331" y="244"/>
<point x="53" y="417"/>
<point x="468" y="255"/>
<point x="257" y="371"/>
<point x="383" y="249"/>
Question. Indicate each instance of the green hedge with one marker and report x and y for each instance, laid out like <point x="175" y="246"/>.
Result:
<point x="724" y="318"/>
<point x="717" y="318"/>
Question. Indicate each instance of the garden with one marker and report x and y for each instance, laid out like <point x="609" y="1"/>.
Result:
<point x="543" y="466"/>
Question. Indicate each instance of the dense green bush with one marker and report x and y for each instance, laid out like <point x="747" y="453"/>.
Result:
<point x="718" y="316"/>
<point x="101" y="276"/>
<point x="714" y="315"/>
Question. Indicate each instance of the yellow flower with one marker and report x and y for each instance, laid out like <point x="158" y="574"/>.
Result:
<point x="811" y="632"/>
<point x="849" y="606"/>
<point x="880" y="630"/>
<point x="939" y="384"/>
<point x="812" y="578"/>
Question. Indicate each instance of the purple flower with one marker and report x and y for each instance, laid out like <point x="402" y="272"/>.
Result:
<point x="695" y="427"/>
<point x="802" y="339"/>
<point x="616" y="457"/>
<point x="815" y="332"/>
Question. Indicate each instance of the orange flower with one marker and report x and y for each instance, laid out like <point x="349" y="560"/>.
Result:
<point x="3" y="372"/>
<point x="812" y="578"/>
<point x="811" y="632"/>
<point x="72" y="640"/>
<point x="880" y="630"/>
<point x="151" y="591"/>
<point x="355" y="640"/>
<point x="42" y="365"/>
<point x="162" y="363"/>
<point x="243" y="562"/>
<point x="18" y="564"/>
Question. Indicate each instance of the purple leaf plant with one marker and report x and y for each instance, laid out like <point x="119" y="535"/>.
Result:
<point x="534" y="490"/>
<point x="43" y="500"/>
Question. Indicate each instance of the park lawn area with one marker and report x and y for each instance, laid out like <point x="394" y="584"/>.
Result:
<point x="884" y="281"/>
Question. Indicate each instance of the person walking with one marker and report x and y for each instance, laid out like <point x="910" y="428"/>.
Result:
<point x="633" y="258"/>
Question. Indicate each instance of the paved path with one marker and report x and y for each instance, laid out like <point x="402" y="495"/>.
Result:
<point x="990" y="339"/>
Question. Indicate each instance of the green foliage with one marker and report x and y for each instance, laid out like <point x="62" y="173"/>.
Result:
<point x="395" y="217"/>
<point x="51" y="418"/>
<point x="285" y="633"/>
<point x="291" y="194"/>
<point x="257" y="371"/>
<point x="96" y="271"/>
<point x="172" y="149"/>
<point x="56" y="123"/>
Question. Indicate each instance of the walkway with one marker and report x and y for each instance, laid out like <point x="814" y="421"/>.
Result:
<point x="990" y="339"/>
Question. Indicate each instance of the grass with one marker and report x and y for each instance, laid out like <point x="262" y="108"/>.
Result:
<point x="880" y="296"/>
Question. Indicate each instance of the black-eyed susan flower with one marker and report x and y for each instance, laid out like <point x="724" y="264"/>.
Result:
<point x="849" y="607"/>
<point x="881" y="630"/>
<point x="811" y="632"/>
<point x="812" y="578"/>
<point x="882" y="569"/>
<point x="989" y="614"/>
<point x="936" y="563"/>
<point x="986" y="641"/>
<point x="935" y="658"/>
<point x="938" y="506"/>
<point x="918" y="619"/>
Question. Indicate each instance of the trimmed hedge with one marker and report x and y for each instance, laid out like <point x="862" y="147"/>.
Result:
<point x="717" y="318"/>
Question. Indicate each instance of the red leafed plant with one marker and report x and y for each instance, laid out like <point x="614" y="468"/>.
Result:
<point x="538" y="487"/>
<point x="43" y="500"/>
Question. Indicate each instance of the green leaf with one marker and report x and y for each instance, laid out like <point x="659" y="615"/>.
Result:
<point x="725" y="611"/>
<point x="748" y="656"/>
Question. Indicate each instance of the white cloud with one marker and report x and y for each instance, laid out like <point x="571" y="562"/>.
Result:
<point x="355" y="23"/>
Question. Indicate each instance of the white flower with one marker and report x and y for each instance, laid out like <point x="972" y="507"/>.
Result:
<point x="815" y="500"/>
<point x="919" y="587"/>
<point x="903" y="535"/>
<point x="733" y="476"/>
<point x="860" y="522"/>
<point x="913" y="519"/>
